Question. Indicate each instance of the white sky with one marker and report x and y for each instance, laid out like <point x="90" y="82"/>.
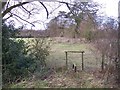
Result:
<point x="109" y="8"/>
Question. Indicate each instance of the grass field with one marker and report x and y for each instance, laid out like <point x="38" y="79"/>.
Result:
<point x="56" y="59"/>
<point x="92" y="60"/>
<point x="57" y="55"/>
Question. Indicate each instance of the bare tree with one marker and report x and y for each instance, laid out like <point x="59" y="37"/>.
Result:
<point x="77" y="9"/>
<point x="22" y="11"/>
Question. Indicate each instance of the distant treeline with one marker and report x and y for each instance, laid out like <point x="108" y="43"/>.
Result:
<point x="31" y="33"/>
<point x="88" y="34"/>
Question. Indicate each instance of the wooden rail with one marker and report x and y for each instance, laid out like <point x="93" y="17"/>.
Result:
<point x="82" y="52"/>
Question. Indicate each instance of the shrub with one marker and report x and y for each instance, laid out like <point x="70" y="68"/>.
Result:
<point x="39" y="50"/>
<point x="89" y="35"/>
<point x="19" y="60"/>
<point x="15" y="62"/>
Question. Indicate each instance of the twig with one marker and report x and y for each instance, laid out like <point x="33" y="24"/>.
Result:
<point x="8" y="17"/>
<point x="7" y="3"/>
<point x="45" y="8"/>
<point x="54" y="9"/>
<point x="27" y="11"/>
<point x="23" y="19"/>
<point x="12" y="7"/>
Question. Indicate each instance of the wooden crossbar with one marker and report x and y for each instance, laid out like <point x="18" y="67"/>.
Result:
<point x="66" y="52"/>
<point x="75" y="51"/>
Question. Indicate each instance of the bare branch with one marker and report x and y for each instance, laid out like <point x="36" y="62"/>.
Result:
<point x="67" y="4"/>
<point x="12" y="7"/>
<point x="45" y="9"/>
<point x="8" y="17"/>
<point x="7" y="3"/>
<point x="17" y="19"/>
<point x="55" y="9"/>
<point x="23" y="19"/>
<point x="26" y="9"/>
<point x="29" y="12"/>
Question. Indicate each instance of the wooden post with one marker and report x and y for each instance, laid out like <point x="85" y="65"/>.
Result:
<point x="73" y="66"/>
<point x="82" y="62"/>
<point x="75" y="69"/>
<point x="66" y="53"/>
<point x="66" y="60"/>
<point x="102" y="64"/>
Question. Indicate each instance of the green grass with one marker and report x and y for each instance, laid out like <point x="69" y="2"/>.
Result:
<point x="57" y="54"/>
<point x="57" y="59"/>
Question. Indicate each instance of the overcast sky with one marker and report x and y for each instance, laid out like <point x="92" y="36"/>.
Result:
<point x="109" y="8"/>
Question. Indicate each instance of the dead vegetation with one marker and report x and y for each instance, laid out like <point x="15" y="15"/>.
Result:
<point x="62" y="78"/>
